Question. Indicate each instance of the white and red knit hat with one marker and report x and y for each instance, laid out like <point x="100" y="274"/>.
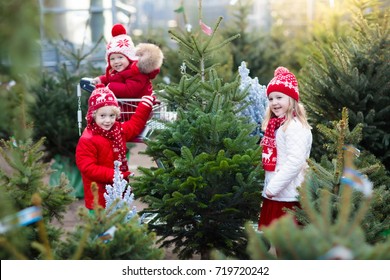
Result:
<point x="102" y="96"/>
<point x="120" y="43"/>
<point x="285" y="82"/>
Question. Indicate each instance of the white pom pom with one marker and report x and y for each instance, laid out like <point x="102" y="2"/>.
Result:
<point x="280" y="71"/>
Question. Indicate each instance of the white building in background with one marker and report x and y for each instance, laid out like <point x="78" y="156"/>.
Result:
<point x="83" y="22"/>
<point x="86" y="20"/>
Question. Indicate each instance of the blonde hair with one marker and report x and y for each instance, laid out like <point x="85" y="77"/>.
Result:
<point x="115" y="109"/>
<point x="295" y="109"/>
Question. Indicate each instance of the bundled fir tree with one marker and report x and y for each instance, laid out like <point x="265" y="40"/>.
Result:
<point x="208" y="184"/>
<point x="353" y="72"/>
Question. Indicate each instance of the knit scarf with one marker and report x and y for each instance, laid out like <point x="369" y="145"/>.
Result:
<point x="268" y="143"/>
<point x="114" y="134"/>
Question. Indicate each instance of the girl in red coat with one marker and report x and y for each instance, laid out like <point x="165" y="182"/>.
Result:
<point x="130" y="70"/>
<point x="104" y="141"/>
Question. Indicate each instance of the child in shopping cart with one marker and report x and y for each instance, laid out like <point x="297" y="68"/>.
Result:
<point x="104" y="141"/>
<point x="130" y="70"/>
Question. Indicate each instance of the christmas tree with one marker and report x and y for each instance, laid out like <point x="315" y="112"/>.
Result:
<point x="208" y="182"/>
<point x="328" y="175"/>
<point x="353" y="72"/>
<point x="19" y="183"/>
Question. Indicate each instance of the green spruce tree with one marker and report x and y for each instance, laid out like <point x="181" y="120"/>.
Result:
<point x="24" y="177"/>
<point x="208" y="182"/>
<point x="54" y="112"/>
<point x="327" y="175"/>
<point x="353" y="72"/>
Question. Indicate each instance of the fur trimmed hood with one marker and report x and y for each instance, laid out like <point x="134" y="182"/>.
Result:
<point x="150" y="57"/>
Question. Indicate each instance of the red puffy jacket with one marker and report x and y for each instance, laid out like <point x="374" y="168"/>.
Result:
<point x="130" y="83"/>
<point x="95" y="157"/>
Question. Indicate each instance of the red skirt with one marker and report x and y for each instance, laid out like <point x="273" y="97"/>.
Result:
<point x="272" y="210"/>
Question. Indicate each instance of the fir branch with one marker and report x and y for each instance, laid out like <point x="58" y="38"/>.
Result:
<point x="340" y="153"/>
<point x="37" y="201"/>
<point x="257" y="248"/>
<point x="326" y="204"/>
<point x="216" y="104"/>
<point x="11" y="249"/>
<point x="192" y="66"/>
<point x="307" y="204"/>
<point x="326" y="176"/>
<point x="345" y="208"/>
<point x="209" y="106"/>
<point x="200" y="56"/>
<point x="225" y="42"/>
<point x="181" y="40"/>
<point x="359" y="216"/>
<point x="204" y="49"/>
<point x="82" y="242"/>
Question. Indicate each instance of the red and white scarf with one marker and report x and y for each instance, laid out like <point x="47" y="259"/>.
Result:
<point x="269" y="153"/>
<point x="114" y="134"/>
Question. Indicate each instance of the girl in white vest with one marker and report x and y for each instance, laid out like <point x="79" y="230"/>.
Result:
<point x="286" y="147"/>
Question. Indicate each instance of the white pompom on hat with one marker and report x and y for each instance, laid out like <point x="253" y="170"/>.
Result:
<point x="285" y="82"/>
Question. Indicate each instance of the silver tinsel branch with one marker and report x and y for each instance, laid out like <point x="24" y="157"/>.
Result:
<point x="119" y="195"/>
<point x="256" y="98"/>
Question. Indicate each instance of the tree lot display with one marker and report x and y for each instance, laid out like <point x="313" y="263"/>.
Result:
<point x="207" y="127"/>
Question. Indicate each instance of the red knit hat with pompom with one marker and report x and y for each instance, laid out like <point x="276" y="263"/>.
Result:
<point x="120" y="43"/>
<point x="102" y="96"/>
<point x="285" y="82"/>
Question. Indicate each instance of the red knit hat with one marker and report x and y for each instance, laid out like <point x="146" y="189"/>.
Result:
<point x="285" y="82"/>
<point x="120" y="43"/>
<point x="102" y="96"/>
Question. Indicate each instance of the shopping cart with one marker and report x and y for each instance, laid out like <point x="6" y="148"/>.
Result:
<point x="128" y="107"/>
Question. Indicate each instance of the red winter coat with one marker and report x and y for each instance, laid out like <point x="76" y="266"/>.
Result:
<point x="95" y="157"/>
<point x="130" y="83"/>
